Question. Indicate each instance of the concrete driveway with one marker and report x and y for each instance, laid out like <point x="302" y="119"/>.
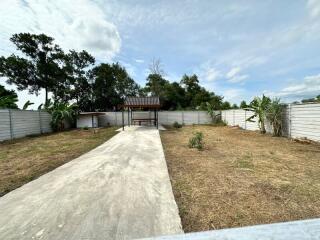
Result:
<point x="120" y="190"/>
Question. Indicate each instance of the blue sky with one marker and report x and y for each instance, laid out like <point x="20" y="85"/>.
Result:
<point x="238" y="49"/>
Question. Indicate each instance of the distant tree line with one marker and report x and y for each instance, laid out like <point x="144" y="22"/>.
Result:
<point x="73" y="77"/>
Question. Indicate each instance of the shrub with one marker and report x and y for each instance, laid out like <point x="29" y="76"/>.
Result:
<point x="177" y="125"/>
<point x="220" y="122"/>
<point x="85" y="128"/>
<point x="274" y="115"/>
<point x="196" y="141"/>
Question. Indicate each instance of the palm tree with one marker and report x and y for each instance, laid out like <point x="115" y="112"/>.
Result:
<point x="259" y="106"/>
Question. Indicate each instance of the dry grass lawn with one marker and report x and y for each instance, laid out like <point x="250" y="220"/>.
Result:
<point x="241" y="178"/>
<point x="25" y="159"/>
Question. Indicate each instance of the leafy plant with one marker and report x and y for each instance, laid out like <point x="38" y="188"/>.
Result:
<point x="210" y="109"/>
<point x="61" y="112"/>
<point x="177" y="125"/>
<point x="274" y="116"/>
<point x="27" y="104"/>
<point x="196" y="141"/>
<point x="8" y="98"/>
<point x="259" y="106"/>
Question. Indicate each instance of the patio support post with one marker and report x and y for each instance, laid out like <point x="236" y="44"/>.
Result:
<point x="155" y="117"/>
<point x="128" y="117"/>
<point x="122" y="119"/>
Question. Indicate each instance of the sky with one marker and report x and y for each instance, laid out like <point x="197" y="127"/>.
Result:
<point x="239" y="49"/>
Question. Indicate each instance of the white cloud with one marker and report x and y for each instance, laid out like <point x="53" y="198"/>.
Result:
<point x="314" y="8"/>
<point x="212" y="74"/>
<point x="233" y="94"/>
<point x="233" y="72"/>
<point x="74" y="25"/>
<point x="139" y="60"/>
<point x="234" y="75"/>
<point x="238" y="78"/>
<point x="307" y="88"/>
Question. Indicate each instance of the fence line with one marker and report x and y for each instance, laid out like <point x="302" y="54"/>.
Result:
<point x="165" y="117"/>
<point x="20" y="123"/>
<point x="299" y="120"/>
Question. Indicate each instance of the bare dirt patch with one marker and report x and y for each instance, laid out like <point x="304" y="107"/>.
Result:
<point x="241" y="178"/>
<point x="25" y="159"/>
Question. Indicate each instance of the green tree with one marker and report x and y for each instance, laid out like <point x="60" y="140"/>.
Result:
<point x="174" y="97"/>
<point x="234" y="106"/>
<point x="192" y="88"/>
<point x="111" y="84"/>
<point x="225" y="105"/>
<point x="307" y="100"/>
<point x="77" y="84"/>
<point x="243" y="104"/>
<point x="156" y="85"/>
<point x="39" y="70"/>
<point x="8" y="98"/>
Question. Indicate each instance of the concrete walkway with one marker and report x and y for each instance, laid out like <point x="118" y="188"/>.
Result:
<point x="120" y="190"/>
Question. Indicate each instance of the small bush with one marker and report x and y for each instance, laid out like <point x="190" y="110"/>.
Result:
<point x="196" y="141"/>
<point x="220" y="122"/>
<point x="85" y="128"/>
<point x="177" y="125"/>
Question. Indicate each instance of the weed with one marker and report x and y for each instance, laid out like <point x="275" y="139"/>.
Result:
<point x="196" y="141"/>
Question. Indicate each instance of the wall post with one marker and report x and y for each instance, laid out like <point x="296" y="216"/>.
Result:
<point x="245" y="119"/>
<point x="10" y="122"/>
<point x="289" y="120"/>
<point x="40" y="125"/>
<point x="233" y="119"/>
<point x="182" y="116"/>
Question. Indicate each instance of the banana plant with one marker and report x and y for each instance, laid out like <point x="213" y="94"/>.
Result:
<point x="211" y="112"/>
<point x="259" y="106"/>
<point x="27" y="104"/>
<point x="60" y="112"/>
<point x="274" y="116"/>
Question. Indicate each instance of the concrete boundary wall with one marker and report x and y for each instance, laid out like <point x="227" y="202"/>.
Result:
<point x="165" y="117"/>
<point x="299" y="120"/>
<point x="20" y="123"/>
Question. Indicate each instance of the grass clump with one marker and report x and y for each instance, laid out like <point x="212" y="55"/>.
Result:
<point x="196" y="141"/>
<point x="177" y="125"/>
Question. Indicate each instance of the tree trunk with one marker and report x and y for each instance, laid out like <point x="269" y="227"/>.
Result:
<point x="46" y="89"/>
<point x="263" y="128"/>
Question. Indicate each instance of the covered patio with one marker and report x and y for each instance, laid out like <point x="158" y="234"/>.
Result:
<point x="150" y="104"/>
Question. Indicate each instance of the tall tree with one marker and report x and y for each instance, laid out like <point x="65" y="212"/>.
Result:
<point x="39" y="70"/>
<point x="174" y="96"/>
<point x="8" y="98"/>
<point x="77" y="85"/>
<point x="155" y="67"/>
<point x="111" y="83"/>
<point x="156" y="85"/>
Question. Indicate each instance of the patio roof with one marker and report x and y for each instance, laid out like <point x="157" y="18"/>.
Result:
<point x="91" y="113"/>
<point x="151" y="102"/>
